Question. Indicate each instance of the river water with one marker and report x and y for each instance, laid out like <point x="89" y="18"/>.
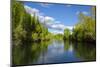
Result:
<point x="55" y="51"/>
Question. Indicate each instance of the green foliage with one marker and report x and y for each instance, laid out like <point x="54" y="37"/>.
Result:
<point x="18" y="32"/>
<point x="29" y="52"/>
<point x="85" y="29"/>
<point x="26" y="28"/>
<point x="66" y="33"/>
<point x="85" y="50"/>
<point x="58" y="36"/>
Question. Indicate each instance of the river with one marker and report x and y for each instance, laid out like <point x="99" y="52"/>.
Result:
<point x="55" y="51"/>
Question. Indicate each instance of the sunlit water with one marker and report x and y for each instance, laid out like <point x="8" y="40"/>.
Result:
<point x="56" y="51"/>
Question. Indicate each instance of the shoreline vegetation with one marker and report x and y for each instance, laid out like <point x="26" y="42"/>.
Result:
<point x="27" y="28"/>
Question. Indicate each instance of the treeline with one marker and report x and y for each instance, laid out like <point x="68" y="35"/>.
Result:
<point x="84" y="30"/>
<point x="58" y="36"/>
<point x="26" y="28"/>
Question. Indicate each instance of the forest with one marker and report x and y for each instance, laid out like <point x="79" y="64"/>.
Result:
<point x="27" y="28"/>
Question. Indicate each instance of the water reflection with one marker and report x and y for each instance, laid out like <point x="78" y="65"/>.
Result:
<point x="56" y="51"/>
<point x="28" y="53"/>
<point x="86" y="51"/>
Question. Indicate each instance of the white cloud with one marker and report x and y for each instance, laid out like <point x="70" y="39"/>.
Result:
<point x="45" y="4"/>
<point x="41" y="18"/>
<point x="69" y="27"/>
<point x="84" y="12"/>
<point x="46" y="19"/>
<point x="30" y="10"/>
<point x="57" y="32"/>
<point x="61" y="26"/>
<point x="57" y="26"/>
<point x="49" y="19"/>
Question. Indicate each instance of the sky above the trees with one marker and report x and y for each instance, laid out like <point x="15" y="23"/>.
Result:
<point x="56" y="17"/>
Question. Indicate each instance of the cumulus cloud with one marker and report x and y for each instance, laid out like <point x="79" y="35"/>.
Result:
<point x="60" y="30"/>
<point x="30" y="10"/>
<point x="41" y="18"/>
<point x="70" y="27"/>
<point x="46" y="19"/>
<point x="49" y="19"/>
<point x="58" y="26"/>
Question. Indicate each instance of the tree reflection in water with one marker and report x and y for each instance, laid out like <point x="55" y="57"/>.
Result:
<point x="28" y="53"/>
<point x="63" y="51"/>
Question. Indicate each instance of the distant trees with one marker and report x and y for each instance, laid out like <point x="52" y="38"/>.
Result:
<point x="67" y="33"/>
<point x="58" y="36"/>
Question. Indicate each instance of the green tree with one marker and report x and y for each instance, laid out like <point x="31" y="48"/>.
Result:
<point x="26" y="28"/>
<point x="67" y="33"/>
<point x="84" y="30"/>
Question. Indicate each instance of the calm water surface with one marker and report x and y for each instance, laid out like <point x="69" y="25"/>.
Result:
<point x="56" y="51"/>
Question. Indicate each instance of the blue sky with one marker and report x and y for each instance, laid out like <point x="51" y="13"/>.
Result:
<point x="57" y="16"/>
